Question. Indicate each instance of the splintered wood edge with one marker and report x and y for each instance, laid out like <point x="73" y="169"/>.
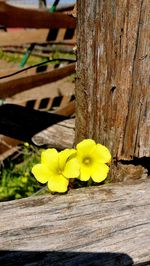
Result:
<point x="112" y="218"/>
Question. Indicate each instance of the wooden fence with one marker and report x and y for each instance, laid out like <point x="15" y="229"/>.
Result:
<point x="106" y="225"/>
<point x="58" y="29"/>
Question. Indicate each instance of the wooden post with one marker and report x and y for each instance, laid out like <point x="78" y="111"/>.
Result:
<point x="113" y="86"/>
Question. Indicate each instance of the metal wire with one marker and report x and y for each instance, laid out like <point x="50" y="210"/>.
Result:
<point x="49" y="60"/>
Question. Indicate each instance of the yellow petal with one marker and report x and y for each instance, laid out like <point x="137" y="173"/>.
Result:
<point x="85" y="149"/>
<point x="64" y="156"/>
<point x="86" y="145"/>
<point x="58" y="183"/>
<point x="41" y="173"/>
<point x="49" y="157"/>
<point x="72" y="168"/>
<point x="99" y="172"/>
<point x="103" y="153"/>
<point x="84" y="173"/>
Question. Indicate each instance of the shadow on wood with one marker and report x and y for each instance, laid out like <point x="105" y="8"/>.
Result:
<point x="23" y="123"/>
<point x="51" y="258"/>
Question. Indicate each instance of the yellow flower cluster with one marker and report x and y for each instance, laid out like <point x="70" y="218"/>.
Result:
<point x="87" y="161"/>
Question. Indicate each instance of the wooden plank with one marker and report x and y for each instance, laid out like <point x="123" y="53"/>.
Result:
<point x="10" y="73"/>
<point x="8" y="146"/>
<point x="11" y="87"/>
<point x="59" y="136"/>
<point x="40" y="50"/>
<point x="22" y="72"/>
<point x="12" y="17"/>
<point x="6" y="142"/>
<point x="65" y="7"/>
<point x="67" y="109"/>
<point x="107" y="225"/>
<point x="28" y="36"/>
<point x="50" y="90"/>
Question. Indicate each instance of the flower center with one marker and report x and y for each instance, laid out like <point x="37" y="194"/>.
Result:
<point x="59" y="171"/>
<point x="87" y="160"/>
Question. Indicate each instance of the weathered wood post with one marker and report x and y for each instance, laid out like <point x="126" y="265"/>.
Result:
<point x="113" y="84"/>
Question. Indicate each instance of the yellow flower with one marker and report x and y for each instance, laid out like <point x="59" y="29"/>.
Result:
<point x="92" y="158"/>
<point x="55" y="167"/>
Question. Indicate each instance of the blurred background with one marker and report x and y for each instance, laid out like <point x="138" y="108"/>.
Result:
<point x="35" y="3"/>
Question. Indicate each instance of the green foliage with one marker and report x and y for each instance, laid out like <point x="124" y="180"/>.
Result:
<point x="33" y="59"/>
<point x="16" y="179"/>
<point x="16" y="58"/>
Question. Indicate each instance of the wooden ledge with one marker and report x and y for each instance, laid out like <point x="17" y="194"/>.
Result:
<point x="14" y="86"/>
<point x="59" y="136"/>
<point x="107" y="225"/>
<point x="11" y="16"/>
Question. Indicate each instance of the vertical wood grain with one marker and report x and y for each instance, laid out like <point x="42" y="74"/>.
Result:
<point x="112" y="86"/>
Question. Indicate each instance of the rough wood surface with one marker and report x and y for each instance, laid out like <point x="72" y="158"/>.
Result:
<point x="11" y="16"/>
<point x="21" y="72"/>
<point x="51" y="91"/>
<point x="113" y="87"/>
<point x="11" y="87"/>
<point x="59" y="136"/>
<point x="107" y="225"/>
